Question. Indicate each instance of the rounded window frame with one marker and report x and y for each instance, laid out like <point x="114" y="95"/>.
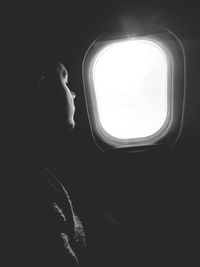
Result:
<point x="174" y="52"/>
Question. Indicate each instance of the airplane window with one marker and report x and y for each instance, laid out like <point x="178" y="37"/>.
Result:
<point x="134" y="88"/>
<point x="130" y="83"/>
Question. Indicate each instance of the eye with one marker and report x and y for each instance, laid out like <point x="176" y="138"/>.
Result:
<point x="64" y="73"/>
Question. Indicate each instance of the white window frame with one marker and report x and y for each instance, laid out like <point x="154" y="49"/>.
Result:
<point x="174" y="52"/>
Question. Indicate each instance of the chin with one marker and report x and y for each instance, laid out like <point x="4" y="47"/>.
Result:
<point x="71" y="124"/>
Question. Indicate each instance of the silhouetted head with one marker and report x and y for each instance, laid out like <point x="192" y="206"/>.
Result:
<point x="56" y="101"/>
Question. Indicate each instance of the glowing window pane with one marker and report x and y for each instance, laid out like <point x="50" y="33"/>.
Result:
<point x="130" y="82"/>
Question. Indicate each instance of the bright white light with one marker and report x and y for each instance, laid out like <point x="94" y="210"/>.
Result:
<point x="130" y="83"/>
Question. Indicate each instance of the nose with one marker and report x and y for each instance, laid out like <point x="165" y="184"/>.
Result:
<point x="73" y="94"/>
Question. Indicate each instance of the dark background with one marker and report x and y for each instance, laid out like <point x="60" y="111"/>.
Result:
<point x="138" y="208"/>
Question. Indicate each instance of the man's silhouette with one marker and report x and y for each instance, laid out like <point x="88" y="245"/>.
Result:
<point x="59" y="236"/>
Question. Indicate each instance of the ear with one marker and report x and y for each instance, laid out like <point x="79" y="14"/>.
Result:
<point x="42" y="86"/>
<point x="43" y="104"/>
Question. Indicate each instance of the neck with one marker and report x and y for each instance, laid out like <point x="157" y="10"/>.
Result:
<point x="55" y="150"/>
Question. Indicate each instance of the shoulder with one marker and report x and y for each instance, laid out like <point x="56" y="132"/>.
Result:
<point x="61" y="212"/>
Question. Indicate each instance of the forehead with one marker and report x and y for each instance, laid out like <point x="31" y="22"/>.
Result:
<point x="53" y="66"/>
<point x="60" y="67"/>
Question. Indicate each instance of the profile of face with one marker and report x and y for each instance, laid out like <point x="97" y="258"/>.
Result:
<point x="69" y="95"/>
<point x="57" y="103"/>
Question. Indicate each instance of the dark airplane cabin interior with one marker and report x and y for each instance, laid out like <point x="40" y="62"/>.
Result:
<point x="137" y="208"/>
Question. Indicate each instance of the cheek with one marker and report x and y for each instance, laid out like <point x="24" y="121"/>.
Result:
<point x="70" y="105"/>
